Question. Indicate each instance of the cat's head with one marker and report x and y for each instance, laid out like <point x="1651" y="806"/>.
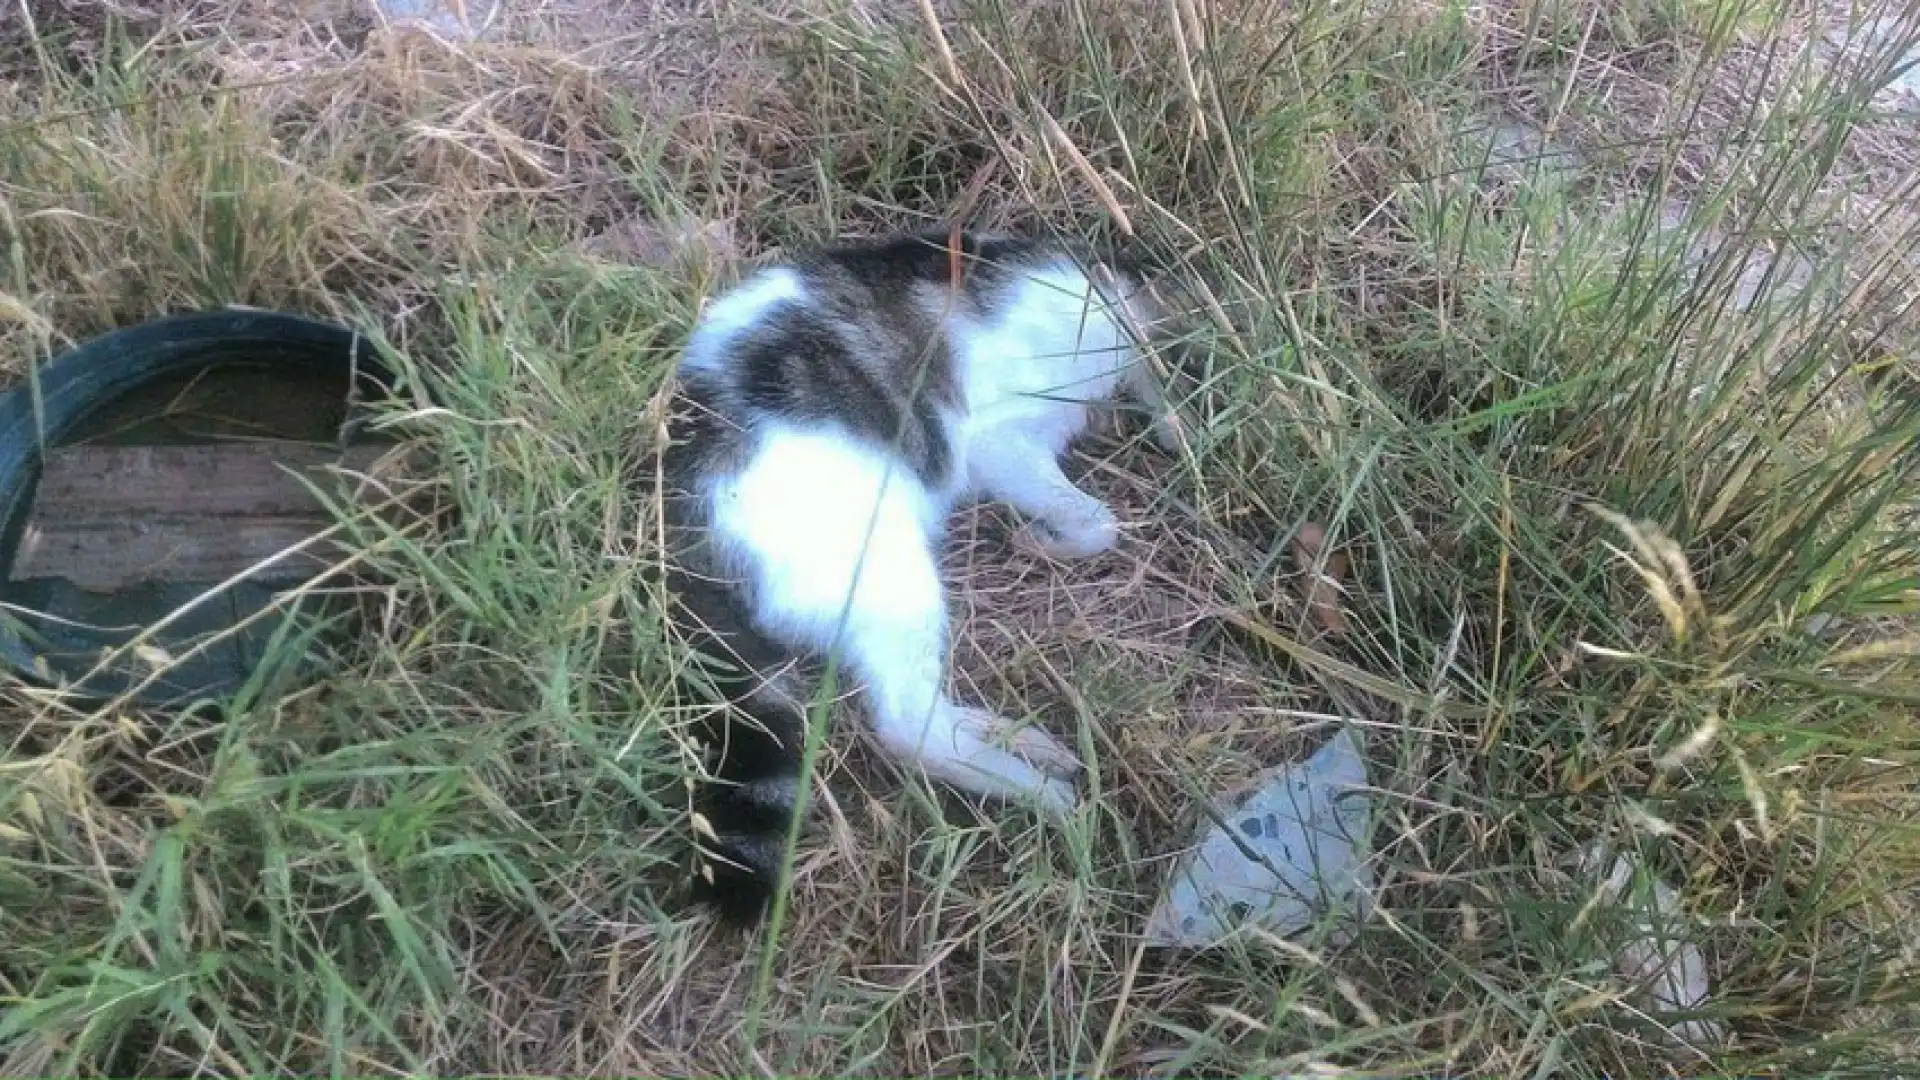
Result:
<point x="1163" y="308"/>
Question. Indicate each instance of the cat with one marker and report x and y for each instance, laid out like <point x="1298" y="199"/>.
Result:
<point x="833" y="410"/>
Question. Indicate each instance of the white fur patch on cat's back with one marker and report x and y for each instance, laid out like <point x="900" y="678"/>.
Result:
<point x="811" y="511"/>
<point x="736" y="311"/>
<point x="1050" y="346"/>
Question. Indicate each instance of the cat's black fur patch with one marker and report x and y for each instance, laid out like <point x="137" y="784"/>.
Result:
<point x="798" y="366"/>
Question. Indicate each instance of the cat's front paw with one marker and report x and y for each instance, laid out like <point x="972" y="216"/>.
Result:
<point x="1044" y="752"/>
<point x="1080" y="533"/>
<point x="1047" y="772"/>
<point x="1058" y="798"/>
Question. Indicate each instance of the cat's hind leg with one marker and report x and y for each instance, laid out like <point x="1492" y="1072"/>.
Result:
<point x="903" y="666"/>
<point x="895" y="640"/>
<point x="838" y="546"/>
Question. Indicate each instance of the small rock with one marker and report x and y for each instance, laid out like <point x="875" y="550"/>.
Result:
<point x="1326" y="580"/>
<point x="1515" y="146"/>
<point x="664" y="244"/>
<point x="1291" y="853"/>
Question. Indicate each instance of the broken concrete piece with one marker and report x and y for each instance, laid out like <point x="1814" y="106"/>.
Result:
<point x="1767" y="274"/>
<point x="1292" y="851"/>
<point x="1848" y="40"/>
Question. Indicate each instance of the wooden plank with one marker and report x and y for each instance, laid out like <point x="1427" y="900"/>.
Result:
<point x="110" y="517"/>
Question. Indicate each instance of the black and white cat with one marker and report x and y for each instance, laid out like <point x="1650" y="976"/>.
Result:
<point x="834" y="410"/>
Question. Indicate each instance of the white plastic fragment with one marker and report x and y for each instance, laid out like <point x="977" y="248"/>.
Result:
<point x="455" y="20"/>
<point x="1673" y="971"/>
<point x="1305" y="825"/>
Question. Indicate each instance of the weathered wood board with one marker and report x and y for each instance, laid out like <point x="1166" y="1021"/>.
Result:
<point x="110" y="517"/>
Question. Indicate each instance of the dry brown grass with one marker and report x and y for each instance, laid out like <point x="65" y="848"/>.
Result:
<point x="1437" y="361"/>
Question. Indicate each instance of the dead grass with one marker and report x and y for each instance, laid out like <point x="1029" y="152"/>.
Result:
<point x="459" y="854"/>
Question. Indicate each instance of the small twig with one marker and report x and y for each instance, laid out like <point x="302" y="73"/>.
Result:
<point x="1080" y="163"/>
<point x="940" y="44"/>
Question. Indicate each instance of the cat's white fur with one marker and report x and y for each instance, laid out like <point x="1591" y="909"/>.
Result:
<point x="841" y="540"/>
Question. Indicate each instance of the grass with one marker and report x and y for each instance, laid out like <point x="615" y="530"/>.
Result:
<point x="1610" y="420"/>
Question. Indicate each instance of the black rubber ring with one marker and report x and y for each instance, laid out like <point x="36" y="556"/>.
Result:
<point x="77" y="384"/>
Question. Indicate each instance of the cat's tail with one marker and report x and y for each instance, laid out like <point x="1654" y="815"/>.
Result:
<point x="745" y="811"/>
